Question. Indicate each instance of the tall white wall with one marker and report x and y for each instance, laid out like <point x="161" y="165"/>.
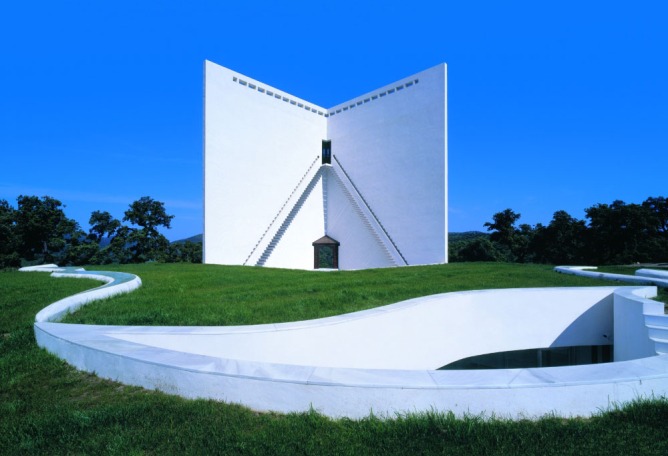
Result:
<point x="259" y="142"/>
<point x="295" y="250"/>
<point x="257" y="148"/>
<point x="393" y="144"/>
<point x="359" y="249"/>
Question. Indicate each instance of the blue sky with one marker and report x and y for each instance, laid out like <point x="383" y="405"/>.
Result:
<point x="552" y="105"/>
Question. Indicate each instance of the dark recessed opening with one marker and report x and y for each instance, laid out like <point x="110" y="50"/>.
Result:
<point x="326" y="152"/>
<point x="326" y="253"/>
<point x="536" y="357"/>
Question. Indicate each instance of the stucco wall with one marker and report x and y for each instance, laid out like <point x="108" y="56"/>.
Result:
<point x="260" y="143"/>
<point x="632" y="339"/>
<point x="394" y="147"/>
<point x="257" y="148"/>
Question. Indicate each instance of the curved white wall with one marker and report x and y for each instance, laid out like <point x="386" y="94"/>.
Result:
<point x="381" y="360"/>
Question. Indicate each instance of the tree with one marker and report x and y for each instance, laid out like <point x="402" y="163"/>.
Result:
<point x="507" y="236"/>
<point x="503" y="228"/>
<point x="561" y="242"/>
<point x="480" y="249"/>
<point x="658" y="207"/>
<point x="43" y="230"/>
<point x="184" y="252"/>
<point x="622" y="233"/>
<point x="146" y="243"/>
<point x="9" y="256"/>
<point x="102" y="225"/>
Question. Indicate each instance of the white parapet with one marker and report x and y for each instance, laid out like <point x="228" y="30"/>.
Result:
<point x="383" y="360"/>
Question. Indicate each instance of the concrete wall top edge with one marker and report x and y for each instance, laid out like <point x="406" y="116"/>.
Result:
<point x="400" y="84"/>
<point x="408" y="80"/>
<point x="211" y="67"/>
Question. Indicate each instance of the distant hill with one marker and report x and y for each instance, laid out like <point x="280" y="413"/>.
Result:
<point x="197" y="238"/>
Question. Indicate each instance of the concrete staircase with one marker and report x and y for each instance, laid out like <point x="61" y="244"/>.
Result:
<point x="363" y="208"/>
<point x="253" y="255"/>
<point x="288" y="220"/>
<point x="361" y="214"/>
<point x="657" y="329"/>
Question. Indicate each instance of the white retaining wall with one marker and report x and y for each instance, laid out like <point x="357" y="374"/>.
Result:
<point x="382" y="359"/>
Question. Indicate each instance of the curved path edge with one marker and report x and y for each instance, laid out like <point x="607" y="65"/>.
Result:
<point x="642" y="277"/>
<point x="349" y="392"/>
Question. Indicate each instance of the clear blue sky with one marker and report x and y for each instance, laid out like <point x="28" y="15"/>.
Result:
<point x="552" y="105"/>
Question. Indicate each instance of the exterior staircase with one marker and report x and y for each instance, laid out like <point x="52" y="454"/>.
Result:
<point x="365" y="220"/>
<point x="362" y="208"/>
<point x="657" y="329"/>
<point x="252" y="256"/>
<point x="288" y="220"/>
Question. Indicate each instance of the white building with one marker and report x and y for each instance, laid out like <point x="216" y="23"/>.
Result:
<point x="367" y="177"/>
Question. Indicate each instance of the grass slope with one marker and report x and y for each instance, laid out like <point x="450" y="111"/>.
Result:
<point x="186" y="294"/>
<point x="47" y="407"/>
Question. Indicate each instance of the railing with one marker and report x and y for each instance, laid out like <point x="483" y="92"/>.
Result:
<point x="281" y="210"/>
<point x="373" y="214"/>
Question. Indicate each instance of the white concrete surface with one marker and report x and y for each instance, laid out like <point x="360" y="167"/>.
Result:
<point x="115" y="283"/>
<point x="260" y="145"/>
<point x="642" y="277"/>
<point x="383" y="359"/>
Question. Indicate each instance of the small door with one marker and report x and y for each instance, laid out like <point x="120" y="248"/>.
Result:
<point x="326" y="253"/>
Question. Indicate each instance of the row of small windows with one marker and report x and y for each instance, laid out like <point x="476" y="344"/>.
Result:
<point x="375" y="97"/>
<point x="320" y="113"/>
<point x="278" y="96"/>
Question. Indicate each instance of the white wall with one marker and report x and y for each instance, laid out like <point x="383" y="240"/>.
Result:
<point x="394" y="147"/>
<point x="361" y="248"/>
<point x="392" y="142"/>
<point x="257" y="148"/>
<point x="331" y="365"/>
<point x="632" y="339"/>
<point x="294" y="251"/>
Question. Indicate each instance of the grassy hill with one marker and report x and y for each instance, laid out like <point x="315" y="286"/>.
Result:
<point x="47" y="407"/>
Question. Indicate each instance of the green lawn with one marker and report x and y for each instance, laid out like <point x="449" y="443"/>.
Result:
<point x="47" y="407"/>
<point x="186" y="294"/>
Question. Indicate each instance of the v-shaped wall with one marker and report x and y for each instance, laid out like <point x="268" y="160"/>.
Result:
<point x="268" y="195"/>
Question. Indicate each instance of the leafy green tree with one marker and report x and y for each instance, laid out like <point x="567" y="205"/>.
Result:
<point x="658" y="207"/>
<point x="184" y="252"/>
<point x="561" y="242"/>
<point x="146" y="243"/>
<point x="43" y="230"/>
<point x="503" y="227"/>
<point x="510" y="238"/>
<point x="481" y="249"/>
<point x="102" y="225"/>
<point x="9" y="256"/>
<point x="621" y="233"/>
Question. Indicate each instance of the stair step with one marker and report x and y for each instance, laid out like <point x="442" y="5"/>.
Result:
<point x="656" y="320"/>
<point x="661" y="347"/>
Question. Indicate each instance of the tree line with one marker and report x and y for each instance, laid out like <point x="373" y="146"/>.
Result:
<point x="38" y="231"/>
<point x="617" y="233"/>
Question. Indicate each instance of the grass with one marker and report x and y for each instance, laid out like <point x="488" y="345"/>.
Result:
<point x="47" y="407"/>
<point x="185" y="294"/>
